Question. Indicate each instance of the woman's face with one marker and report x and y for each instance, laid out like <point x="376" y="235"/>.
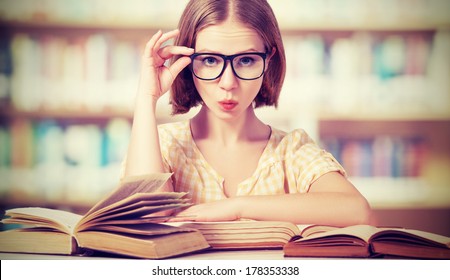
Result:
<point x="228" y="97"/>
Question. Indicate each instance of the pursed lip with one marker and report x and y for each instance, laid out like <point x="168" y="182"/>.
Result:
<point x="228" y="104"/>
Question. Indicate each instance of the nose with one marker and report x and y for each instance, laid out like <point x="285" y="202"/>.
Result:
<point x="228" y="80"/>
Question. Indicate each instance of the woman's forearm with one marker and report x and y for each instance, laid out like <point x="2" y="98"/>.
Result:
<point x="331" y="200"/>
<point x="144" y="153"/>
<point x="338" y="209"/>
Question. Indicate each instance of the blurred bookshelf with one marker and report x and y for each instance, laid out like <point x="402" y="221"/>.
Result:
<point x="369" y="80"/>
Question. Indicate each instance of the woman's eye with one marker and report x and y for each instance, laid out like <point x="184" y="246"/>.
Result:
<point x="246" y="61"/>
<point x="210" y="61"/>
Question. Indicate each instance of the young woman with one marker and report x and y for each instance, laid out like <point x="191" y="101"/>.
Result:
<point x="228" y="58"/>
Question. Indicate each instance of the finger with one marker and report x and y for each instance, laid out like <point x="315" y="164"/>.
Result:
<point x="165" y="37"/>
<point x="151" y="43"/>
<point x="172" y="72"/>
<point x="179" y="65"/>
<point x="178" y="218"/>
<point x="169" y="51"/>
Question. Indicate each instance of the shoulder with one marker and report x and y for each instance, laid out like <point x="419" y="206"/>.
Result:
<point x="296" y="146"/>
<point x="174" y="126"/>
<point x="174" y="136"/>
<point x="177" y="130"/>
<point x="289" y="146"/>
<point x="300" y="158"/>
<point x="290" y="140"/>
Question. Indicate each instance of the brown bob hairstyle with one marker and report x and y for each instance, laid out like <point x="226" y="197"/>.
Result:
<point x="257" y="14"/>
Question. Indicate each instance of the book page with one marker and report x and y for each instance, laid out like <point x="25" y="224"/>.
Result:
<point x="137" y="209"/>
<point x="143" y="246"/>
<point x="241" y="227"/>
<point x="137" y="200"/>
<point x="363" y="232"/>
<point x="307" y="230"/>
<point x="147" y="229"/>
<point x="141" y="220"/>
<point x="244" y="234"/>
<point x="400" y="234"/>
<point x="128" y="217"/>
<point x="130" y="186"/>
<point x="36" y="240"/>
<point x="37" y="216"/>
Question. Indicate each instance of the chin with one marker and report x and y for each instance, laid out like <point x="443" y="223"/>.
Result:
<point x="227" y="115"/>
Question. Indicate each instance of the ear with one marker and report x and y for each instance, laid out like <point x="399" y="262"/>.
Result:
<point x="270" y="55"/>
<point x="272" y="52"/>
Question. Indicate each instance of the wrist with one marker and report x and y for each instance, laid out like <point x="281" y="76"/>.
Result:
<point x="239" y="205"/>
<point x="146" y="100"/>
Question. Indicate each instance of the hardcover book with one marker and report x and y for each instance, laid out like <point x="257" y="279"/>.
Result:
<point x="363" y="241"/>
<point x="127" y="222"/>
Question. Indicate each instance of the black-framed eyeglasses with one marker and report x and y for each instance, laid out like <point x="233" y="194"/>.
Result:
<point x="245" y="66"/>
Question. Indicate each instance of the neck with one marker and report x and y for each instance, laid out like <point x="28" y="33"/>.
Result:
<point x="228" y="131"/>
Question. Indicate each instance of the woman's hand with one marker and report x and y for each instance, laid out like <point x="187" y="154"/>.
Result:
<point x="156" y="78"/>
<point x="221" y="210"/>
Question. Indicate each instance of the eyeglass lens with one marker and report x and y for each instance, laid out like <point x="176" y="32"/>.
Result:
<point x="245" y="66"/>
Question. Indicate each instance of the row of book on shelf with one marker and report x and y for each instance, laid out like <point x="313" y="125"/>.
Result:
<point x="92" y="72"/>
<point x="27" y="142"/>
<point x="54" y="161"/>
<point x="380" y="156"/>
<point x="368" y="72"/>
<point x="130" y="222"/>
<point x="100" y="71"/>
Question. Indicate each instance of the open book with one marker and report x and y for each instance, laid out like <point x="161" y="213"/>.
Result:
<point x="360" y="241"/>
<point x="126" y="222"/>
<point x="368" y="241"/>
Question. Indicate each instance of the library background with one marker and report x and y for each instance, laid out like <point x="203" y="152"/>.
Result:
<point x="368" y="80"/>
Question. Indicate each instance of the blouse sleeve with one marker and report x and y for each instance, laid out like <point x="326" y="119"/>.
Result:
<point x="165" y="141"/>
<point x="309" y="161"/>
